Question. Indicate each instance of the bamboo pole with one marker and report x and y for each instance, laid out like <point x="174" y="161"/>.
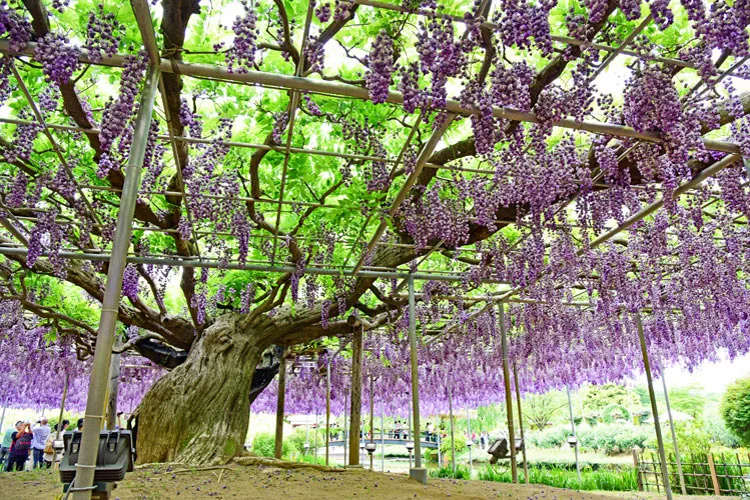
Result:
<point x="96" y="400"/>
<point x="5" y="407"/>
<point x="683" y="490"/>
<point x="520" y="425"/>
<point x="355" y="412"/>
<point x="280" y="399"/>
<point x="654" y="409"/>
<point x="382" y="438"/>
<point x="508" y="395"/>
<point x="372" y="417"/>
<point x="113" y="389"/>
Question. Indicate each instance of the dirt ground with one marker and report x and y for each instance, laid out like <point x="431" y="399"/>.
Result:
<point x="272" y="482"/>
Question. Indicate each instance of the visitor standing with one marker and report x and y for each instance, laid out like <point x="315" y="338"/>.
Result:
<point x="80" y="425"/>
<point x="41" y="433"/>
<point x="5" y="446"/>
<point x="20" y="447"/>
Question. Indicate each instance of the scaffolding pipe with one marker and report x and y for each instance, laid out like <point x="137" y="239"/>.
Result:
<point x="97" y="394"/>
<point x="520" y="424"/>
<point x="654" y="409"/>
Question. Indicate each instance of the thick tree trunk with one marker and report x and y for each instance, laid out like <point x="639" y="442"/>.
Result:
<point x="198" y="413"/>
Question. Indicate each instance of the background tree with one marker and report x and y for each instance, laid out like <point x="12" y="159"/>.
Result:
<point x="735" y="408"/>
<point x="541" y="409"/>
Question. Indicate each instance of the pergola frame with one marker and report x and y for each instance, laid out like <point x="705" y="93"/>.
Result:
<point x="296" y="85"/>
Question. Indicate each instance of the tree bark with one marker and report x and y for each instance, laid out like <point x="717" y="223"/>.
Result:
<point x="198" y="413"/>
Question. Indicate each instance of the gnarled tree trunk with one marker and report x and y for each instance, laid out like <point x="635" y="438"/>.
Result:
<point x="198" y="413"/>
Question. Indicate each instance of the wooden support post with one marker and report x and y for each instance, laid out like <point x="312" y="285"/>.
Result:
<point x="654" y="409"/>
<point x="714" y="479"/>
<point x="636" y="464"/>
<point x="355" y="412"/>
<point x="508" y="395"/>
<point x="328" y="410"/>
<point x="573" y="428"/>
<point x="520" y="424"/>
<point x="683" y="490"/>
<point x="280" y="409"/>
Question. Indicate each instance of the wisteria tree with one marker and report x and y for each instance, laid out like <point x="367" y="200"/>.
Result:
<point x="238" y="175"/>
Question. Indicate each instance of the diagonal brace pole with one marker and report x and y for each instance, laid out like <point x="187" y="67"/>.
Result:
<point x="94" y="416"/>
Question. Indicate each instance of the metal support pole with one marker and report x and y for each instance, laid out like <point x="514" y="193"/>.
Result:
<point x="382" y="438"/>
<point x="279" y="437"/>
<point x="328" y="411"/>
<point x="355" y="424"/>
<point x="573" y="428"/>
<point x="5" y="407"/>
<point x="113" y="389"/>
<point x="468" y="438"/>
<point x="508" y="394"/>
<point x="419" y="474"/>
<point x="97" y="394"/>
<point x="520" y="425"/>
<point x="346" y="418"/>
<point x="453" y="434"/>
<point x="671" y="429"/>
<point x="62" y="407"/>
<point x="440" y="457"/>
<point x="372" y="416"/>
<point x="654" y="409"/>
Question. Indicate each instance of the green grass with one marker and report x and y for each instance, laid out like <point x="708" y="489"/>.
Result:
<point x="591" y="480"/>
<point x="447" y="472"/>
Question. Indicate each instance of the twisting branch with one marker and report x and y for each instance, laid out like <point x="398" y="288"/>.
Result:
<point x="132" y="343"/>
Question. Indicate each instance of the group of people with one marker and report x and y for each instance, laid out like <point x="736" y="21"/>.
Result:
<point x="23" y="441"/>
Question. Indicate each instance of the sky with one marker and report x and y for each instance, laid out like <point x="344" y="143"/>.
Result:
<point x="714" y="377"/>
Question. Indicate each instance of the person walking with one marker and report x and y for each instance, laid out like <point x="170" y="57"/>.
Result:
<point x="20" y="448"/>
<point x="5" y="446"/>
<point x="41" y="432"/>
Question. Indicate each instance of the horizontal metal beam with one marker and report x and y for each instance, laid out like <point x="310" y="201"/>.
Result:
<point x="345" y="90"/>
<point x="216" y="264"/>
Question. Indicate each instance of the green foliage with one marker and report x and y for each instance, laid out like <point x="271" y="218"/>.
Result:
<point x="688" y="399"/>
<point x="735" y="409"/>
<point x="615" y="412"/>
<point x="447" y="450"/>
<point x="692" y="437"/>
<point x="719" y="433"/>
<point x="462" y="472"/>
<point x="614" y="438"/>
<point x="597" y="397"/>
<point x="605" y="480"/>
<point x="554" y="437"/>
<point x="540" y="409"/>
<point x="490" y="417"/>
<point x="264" y="444"/>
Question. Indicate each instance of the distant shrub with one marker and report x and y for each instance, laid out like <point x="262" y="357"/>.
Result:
<point x="447" y="472"/>
<point x="553" y="437"/>
<point x="264" y="444"/>
<point x="613" y="438"/>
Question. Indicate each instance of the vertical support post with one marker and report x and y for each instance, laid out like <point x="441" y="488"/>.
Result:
<point x="114" y="387"/>
<point x="440" y="457"/>
<point x="372" y="416"/>
<point x="573" y="428"/>
<point x="279" y="443"/>
<point x="714" y="478"/>
<point x="7" y="398"/>
<point x="520" y="425"/>
<point x="469" y="440"/>
<point x="508" y="395"/>
<point x="683" y="490"/>
<point x="453" y="434"/>
<point x="418" y="473"/>
<point x="328" y="410"/>
<point x="97" y="394"/>
<point x="62" y="407"/>
<point x="382" y="438"/>
<point x="654" y="409"/>
<point x="356" y="400"/>
<point x="346" y="419"/>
